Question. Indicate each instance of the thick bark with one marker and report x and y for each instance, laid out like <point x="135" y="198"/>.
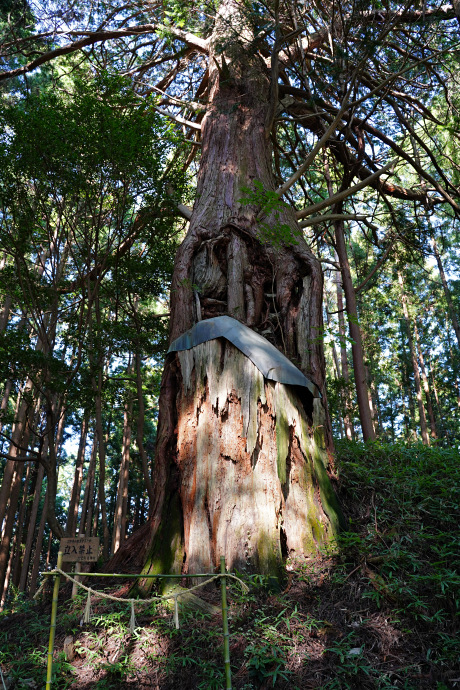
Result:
<point x="240" y="462"/>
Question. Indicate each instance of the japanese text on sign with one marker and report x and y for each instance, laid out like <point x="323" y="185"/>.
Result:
<point x="80" y="549"/>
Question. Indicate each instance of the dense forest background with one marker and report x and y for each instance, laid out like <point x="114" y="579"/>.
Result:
<point x="92" y="174"/>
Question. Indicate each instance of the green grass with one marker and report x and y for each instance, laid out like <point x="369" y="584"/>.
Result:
<point x="380" y="611"/>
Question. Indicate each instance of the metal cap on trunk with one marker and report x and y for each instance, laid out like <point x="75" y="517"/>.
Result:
<point x="270" y="361"/>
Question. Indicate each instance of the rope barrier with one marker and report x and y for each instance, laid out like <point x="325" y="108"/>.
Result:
<point x="223" y="576"/>
<point x="164" y="597"/>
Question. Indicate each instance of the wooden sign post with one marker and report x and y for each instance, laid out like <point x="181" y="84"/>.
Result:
<point x="74" y="550"/>
<point x="79" y="550"/>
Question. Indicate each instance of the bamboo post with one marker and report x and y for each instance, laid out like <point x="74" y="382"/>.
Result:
<point x="49" y="670"/>
<point x="223" y="586"/>
<point x="77" y="579"/>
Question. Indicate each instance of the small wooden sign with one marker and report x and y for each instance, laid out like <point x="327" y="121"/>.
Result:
<point x="80" y="549"/>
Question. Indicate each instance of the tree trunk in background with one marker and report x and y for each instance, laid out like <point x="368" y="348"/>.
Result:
<point x="31" y="528"/>
<point x="450" y="306"/>
<point x="72" y="516"/>
<point x="416" y="370"/>
<point x="10" y="522"/>
<point x="20" y="525"/>
<point x="119" y="519"/>
<point x="426" y="385"/>
<point x="240" y="467"/>
<point x="5" y="400"/>
<point x="89" y="488"/>
<point x="91" y="500"/>
<point x="357" y="350"/>
<point x="55" y="413"/>
<point x="405" y="385"/>
<point x="5" y="308"/>
<point x="6" y="582"/>
<point x="338" y="376"/>
<point x="140" y="429"/>
<point x="97" y="510"/>
<point x="38" y="548"/>
<point x="349" y="429"/>
<point x="48" y="551"/>
<point x="372" y="397"/>
<point x="22" y="410"/>
<point x="12" y="478"/>
<point x="101" y="453"/>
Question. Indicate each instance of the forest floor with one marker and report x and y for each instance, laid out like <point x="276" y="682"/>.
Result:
<point x="379" y="612"/>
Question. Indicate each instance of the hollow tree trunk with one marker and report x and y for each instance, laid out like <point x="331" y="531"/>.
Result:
<point x="240" y="467"/>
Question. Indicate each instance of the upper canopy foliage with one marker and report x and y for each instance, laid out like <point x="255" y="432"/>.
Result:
<point x="384" y="73"/>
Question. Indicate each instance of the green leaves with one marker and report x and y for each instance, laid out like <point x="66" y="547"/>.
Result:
<point x="272" y="231"/>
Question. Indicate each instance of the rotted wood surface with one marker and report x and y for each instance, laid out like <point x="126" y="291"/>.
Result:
<point x="251" y="466"/>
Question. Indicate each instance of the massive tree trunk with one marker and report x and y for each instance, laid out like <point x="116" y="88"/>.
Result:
<point x="241" y="461"/>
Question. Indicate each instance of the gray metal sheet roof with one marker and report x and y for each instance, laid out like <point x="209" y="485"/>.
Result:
<point x="270" y="361"/>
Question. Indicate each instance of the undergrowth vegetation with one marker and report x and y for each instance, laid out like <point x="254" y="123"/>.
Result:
<point x="380" y="612"/>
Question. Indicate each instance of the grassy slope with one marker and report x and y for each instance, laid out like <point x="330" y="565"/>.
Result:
<point x="380" y="613"/>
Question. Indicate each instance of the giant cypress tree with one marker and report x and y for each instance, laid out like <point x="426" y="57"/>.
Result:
<point x="241" y="461"/>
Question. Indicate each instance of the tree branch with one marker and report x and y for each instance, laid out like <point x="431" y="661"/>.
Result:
<point x="313" y="153"/>
<point x="378" y="265"/>
<point x="330" y="216"/>
<point x="185" y="211"/>
<point x="178" y="119"/>
<point x="27" y="458"/>
<point x="340" y="196"/>
<point x="91" y="38"/>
